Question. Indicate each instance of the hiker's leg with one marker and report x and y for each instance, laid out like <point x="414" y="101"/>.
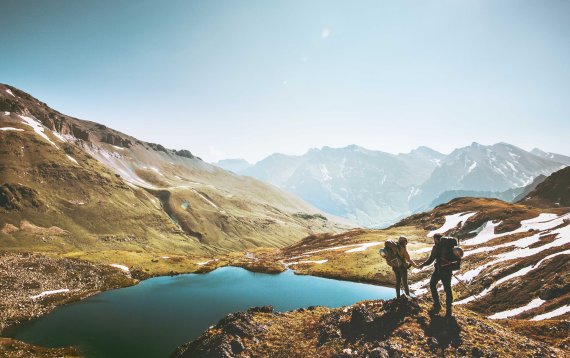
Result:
<point x="405" y="281"/>
<point x="446" y="280"/>
<point x="433" y="287"/>
<point x="398" y="279"/>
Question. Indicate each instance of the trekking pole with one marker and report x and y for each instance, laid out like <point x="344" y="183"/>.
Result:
<point x="465" y="287"/>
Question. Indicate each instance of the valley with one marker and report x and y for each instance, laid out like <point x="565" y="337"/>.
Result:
<point x="85" y="209"/>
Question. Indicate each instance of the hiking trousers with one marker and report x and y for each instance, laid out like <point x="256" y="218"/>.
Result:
<point x="401" y="280"/>
<point x="445" y="277"/>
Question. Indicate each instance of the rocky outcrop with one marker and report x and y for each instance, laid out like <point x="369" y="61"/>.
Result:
<point x="25" y="276"/>
<point x="16" y="197"/>
<point x="395" y="328"/>
<point x="228" y="339"/>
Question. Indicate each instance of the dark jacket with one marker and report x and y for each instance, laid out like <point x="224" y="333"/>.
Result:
<point x="435" y="255"/>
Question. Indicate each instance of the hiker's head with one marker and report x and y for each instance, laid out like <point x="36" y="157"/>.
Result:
<point x="402" y="240"/>
<point x="436" y="238"/>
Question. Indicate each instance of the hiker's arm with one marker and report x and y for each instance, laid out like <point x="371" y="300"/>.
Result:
<point x="408" y="258"/>
<point x="431" y="258"/>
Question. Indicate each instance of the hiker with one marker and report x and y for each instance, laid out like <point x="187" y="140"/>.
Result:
<point x="399" y="259"/>
<point x="443" y="270"/>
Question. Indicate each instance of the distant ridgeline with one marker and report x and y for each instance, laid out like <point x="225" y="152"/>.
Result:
<point x="376" y="189"/>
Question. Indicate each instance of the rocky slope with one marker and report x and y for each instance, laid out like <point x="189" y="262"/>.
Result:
<point x="394" y="328"/>
<point x="554" y="191"/>
<point x="99" y="189"/>
<point x="32" y="285"/>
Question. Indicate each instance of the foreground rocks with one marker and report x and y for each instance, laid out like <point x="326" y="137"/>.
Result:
<point x="25" y="276"/>
<point x="232" y="331"/>
<point x="395" y="328"/>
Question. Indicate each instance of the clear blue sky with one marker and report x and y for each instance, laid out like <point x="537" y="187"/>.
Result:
<point x="248" y="78"/>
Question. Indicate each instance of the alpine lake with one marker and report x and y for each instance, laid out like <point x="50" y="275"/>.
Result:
<point x="154" y="317"/>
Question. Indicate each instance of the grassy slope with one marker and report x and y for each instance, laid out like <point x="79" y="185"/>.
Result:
<point x="190" y="208"/>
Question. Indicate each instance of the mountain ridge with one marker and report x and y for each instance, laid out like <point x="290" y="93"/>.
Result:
<point x="376" y="188"/>
<point x="95" y="177"/>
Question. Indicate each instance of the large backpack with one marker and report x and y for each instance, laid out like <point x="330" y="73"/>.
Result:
<point x="392" y="254"/>
<point x="448" y="260"/>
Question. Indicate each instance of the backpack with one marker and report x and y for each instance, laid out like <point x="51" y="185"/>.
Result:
<point x="392" y="254"/>
<point x="447" y="259"/>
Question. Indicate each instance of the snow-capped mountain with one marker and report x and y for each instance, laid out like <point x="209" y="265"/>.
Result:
<point x="376" y="188"/>
<point x="370" y="187"/>
<point x="564" y="159"/>
<point x="478" y="167"/>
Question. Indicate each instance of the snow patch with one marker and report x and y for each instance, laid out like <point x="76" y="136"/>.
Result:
<point x="47" y="293"/>
<point x="10" y="92"/>
<point x="452" y="221"/>
<point x="6" y="113"/>
<point x="318" y="262"/>
<point x="557" y="312"/>
<point x="355" y="248"/>
<point x="473" y="273"/>
<point x="72" y="159"/>
<point x="537" y="302"/>
<point x="325" y="172"/>
<point x="120" y="267"/>
<point x="486" y="234"/>
<point x="413" y="192"/>
<point x="363" y="247"/>
<point x="208" y="201"/>
<point x="38" y="128"/>
<point x="63" y="137"/>
<point x="11" y="129"/>
<point x="421" y="251"/>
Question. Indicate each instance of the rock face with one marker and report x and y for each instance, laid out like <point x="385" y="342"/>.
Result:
<point x="395" y="328"/>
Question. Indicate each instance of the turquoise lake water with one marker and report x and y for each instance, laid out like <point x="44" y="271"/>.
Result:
<point x="154" y="317"/>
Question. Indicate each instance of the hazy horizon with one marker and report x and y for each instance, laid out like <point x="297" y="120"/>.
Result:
<point x="227" y="79"/>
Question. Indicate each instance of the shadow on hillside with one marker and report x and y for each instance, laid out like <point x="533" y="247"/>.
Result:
<point x="446" y="331"/>
<point x="372" y="327"/>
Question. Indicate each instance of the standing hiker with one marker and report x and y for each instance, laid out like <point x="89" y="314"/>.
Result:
<point x="397" y="256"/>
<point x="445" y="262"/>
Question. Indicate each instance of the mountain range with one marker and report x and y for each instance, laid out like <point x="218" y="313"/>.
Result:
<point x="375" y="188"/>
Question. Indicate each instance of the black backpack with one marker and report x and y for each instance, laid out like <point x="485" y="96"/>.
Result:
<point x="448" y="260"/>
<point x="392" y="251"/>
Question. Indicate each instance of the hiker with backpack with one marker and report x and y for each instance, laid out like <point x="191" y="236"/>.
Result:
<point x="447" y="257"/>
<point x="397" y="256"/>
